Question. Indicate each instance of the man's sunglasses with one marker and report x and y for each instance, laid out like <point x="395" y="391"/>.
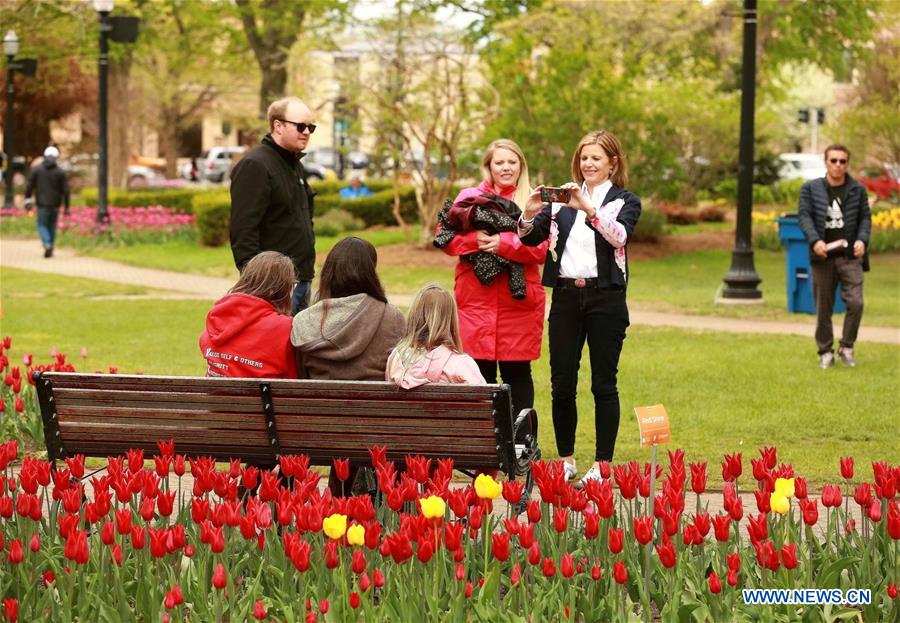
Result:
<point x="838" y="160"/>
<point x="300" y="125"/>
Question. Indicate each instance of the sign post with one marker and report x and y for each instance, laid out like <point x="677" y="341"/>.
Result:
<point x="653" y="427"/>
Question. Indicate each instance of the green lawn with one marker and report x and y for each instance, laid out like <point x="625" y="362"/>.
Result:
<point x="724" y="392"/>
<point x="688" y="283"/>
<point x="190" y="257"/>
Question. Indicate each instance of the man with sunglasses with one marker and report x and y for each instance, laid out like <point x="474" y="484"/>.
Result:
<point x="271" y="202"/>
<point x="835" y="218"/>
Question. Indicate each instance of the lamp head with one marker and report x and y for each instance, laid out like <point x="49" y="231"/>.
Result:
<point x="10" y="43"/>
<point x="104" y="6"/>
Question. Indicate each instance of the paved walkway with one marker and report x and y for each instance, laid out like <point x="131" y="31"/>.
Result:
<point x="27" y="255"/>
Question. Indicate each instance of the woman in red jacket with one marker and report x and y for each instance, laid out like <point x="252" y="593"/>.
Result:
<point x="248" y="331"/>
<point x="501" y="322"/>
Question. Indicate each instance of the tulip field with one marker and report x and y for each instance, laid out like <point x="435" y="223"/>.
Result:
<point x="170" y="538"/>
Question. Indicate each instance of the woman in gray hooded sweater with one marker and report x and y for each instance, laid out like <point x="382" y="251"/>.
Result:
<point x="351" y="329"/>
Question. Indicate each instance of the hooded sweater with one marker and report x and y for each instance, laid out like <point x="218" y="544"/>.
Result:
<point x="347" y="338"/>
<point x="245" y="337"/>
<point x="440" y="365"/>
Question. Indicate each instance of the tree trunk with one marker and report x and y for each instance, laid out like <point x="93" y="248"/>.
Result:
<point x="168" y="142"/>
<point x="274" y="81"/>
<point x="119" y="148"/>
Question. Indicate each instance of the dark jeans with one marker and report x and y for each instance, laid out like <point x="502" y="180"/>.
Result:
<point x="300" y="300"/>
<point x="826" y="275"/>
<point x="600" y="317"/>
<point x="516" y="374"/>
<point x="46" y="224"/>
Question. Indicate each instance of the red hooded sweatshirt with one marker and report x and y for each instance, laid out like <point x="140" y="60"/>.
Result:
<point x="246" y="337"/>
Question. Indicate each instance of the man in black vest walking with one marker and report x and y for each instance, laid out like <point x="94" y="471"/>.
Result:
<point x="271" y="202"/>
<point x="835" y="218"/>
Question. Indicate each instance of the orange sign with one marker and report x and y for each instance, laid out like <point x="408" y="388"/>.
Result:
<point x="653" y="425"/>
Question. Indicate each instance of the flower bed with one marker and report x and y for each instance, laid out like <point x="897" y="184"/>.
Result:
<point x="127" y="226"/>
<point x="133" y="543"/>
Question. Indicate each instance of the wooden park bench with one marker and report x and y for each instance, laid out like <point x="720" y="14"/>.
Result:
<point x="256" y="420"/>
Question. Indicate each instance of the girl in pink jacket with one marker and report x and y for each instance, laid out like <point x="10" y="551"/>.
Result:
<point x="431" y="350"/>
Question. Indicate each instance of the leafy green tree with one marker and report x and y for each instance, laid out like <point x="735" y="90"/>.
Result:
<point x="272" y="27"/>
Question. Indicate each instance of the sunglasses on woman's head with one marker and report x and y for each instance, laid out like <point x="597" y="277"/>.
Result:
<point x="838" y="160"/>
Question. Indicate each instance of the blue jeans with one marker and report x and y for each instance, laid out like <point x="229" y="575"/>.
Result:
<point x="46" y="224"/>
<point x="300" y="300"/>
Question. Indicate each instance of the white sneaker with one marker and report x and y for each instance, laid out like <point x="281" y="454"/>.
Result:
<point x="569" y="470"/>
<point x="592" y="474"/>
<point x="826" y="360"/>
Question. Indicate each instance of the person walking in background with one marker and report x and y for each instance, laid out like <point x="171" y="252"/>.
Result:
<point x="431" y="351"/>
<point x="835" y="218"/>
<point x="271" y="202"/>
<point x="497" y="286"/>
<point x="587" y="267"/>
<point x="248" y="331"/>
<point x="355" y="190"/>
<point x="50" y="187"/>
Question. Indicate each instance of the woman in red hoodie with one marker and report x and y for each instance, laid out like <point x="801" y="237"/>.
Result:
<point x="499" y="326"/>
<point x="248" y="331"/>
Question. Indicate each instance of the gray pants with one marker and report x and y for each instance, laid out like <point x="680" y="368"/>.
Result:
<point x="826" y="275"/>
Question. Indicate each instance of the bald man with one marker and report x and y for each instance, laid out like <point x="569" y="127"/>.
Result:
<point x="271" y="202"/>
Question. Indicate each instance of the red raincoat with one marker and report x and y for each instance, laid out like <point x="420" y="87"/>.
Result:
<point x="492" y="324"/>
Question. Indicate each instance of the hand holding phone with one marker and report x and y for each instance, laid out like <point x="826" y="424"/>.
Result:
<point x="551" y="194"/>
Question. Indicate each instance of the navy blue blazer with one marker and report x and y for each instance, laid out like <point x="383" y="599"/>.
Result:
<point x="608" y="272"/>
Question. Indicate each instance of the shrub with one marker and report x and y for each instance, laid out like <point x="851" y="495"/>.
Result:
<point x="677" y="214"/>
<point x="726" y="189"/>
<point x="650" y="227"/>
<point x="763" y="195"/>
<point x="787" y="192"/>
<point x="375" y="209"/>
<point x="336" y="221"/>
<point x="711" y="214"/>
<point x="213" y="212"/>
<point x="765" y="236"/>
<point x="180" y="199"/>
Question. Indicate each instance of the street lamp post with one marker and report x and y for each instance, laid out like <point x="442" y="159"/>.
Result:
<point x="741" y="280"/>
<point x="10" y="48"/>
<point x="103" y="8"/>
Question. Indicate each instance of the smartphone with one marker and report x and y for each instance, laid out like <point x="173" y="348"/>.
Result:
<point x="551" y="194"/>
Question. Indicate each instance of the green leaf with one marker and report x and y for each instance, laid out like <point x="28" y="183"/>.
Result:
<point x="829" y="575"/>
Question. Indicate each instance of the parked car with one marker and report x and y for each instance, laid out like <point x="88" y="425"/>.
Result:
<point x="801" y="166"/>
<point x="82" y="170"/>
<point x="215" y="164"/>
<point x="327" y="157"/>
<point x="880" y="181"/>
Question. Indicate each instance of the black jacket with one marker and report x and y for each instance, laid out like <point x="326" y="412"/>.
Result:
<point x="272" y="208"/>
<point x="49" y="184"/>
<point x="608" y="272"/>
<point x="813" y="209"/>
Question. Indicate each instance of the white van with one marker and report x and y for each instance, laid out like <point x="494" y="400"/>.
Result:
<point x="801" y="166"/>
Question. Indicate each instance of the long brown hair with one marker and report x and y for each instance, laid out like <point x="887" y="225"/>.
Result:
<point x="269" y="276"/>
<point x="350" y="269"/>
<point x="433" y="321"/>
<point x="613" y="150"/>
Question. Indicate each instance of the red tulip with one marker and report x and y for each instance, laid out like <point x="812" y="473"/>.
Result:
<point x="548" y="568"/>
<point x="759" y="527"/>
<point x="715" y="584"/>
<point x="591" y="525"/>
<point x="453" y="535"/>
<point x="468" y="589"/>
<point x="35" y="543"/>
<point x="800" y="488"/>
<point x="378" y="578"/>
<point x="323" y="606"/>
<point x="259" y="611"/>
<point x="341" y="469"/>
<point x="595" y="573"/>
<point x="177" y="594"/>
<point x="11" y="609"/>
<point x="892" y="591"/>
<point x="698" y="477"/>
<point x="332" y="558"/>
<point x="560" y="519"/>
<point x="831" y="496"/>
<point x="620" y="573"/>
<point x="616" y="540"/>
<point x="893" y="520"/>
<point x="526" y="535"/>
<point x="732" y="578"/>
<point x="847" y="467"/>
<point x="810" y="510"/>
<point x="16" y="551"/>
<point x="359" y="561"/>
<point x="643" y="529"/>
<point x="737" y="510"/>
<point x="666" y="554"/>
<point x="722" y="527"/>
<point x="311" y="617"/>
<point x="732" y="467"/>
<point x="219" y="579"/>
<point x="534" y="553"/>
<point x="512" y="491"/>
<point x="500" y="543"/>
<point x="534" y="511"/>
<point x="874" y="511"/>
<point x="117" y="554"/>
<point x="734" y="562"/>
<point x="863" y="495"/>
<point x="789" y="555"/>
<point x="566" y="565"/>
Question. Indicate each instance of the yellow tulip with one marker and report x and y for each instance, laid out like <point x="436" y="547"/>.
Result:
<point x="432" y="507"/>
<point x="785" y="486"/>
<point x="487" y="487"/>
<point x="356" y="535"/>
<point x="335" y="526"/>
<point x="779" y="503"/>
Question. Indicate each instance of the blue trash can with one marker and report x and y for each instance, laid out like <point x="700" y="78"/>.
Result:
<point x="798" y="273"/>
